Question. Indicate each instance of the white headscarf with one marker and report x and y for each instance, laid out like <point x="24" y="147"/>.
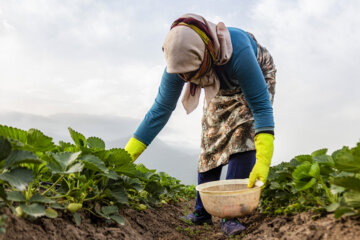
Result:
<point x="184" y="51"/>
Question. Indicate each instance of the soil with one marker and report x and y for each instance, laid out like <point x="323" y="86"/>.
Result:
<point x="164" y="223"/>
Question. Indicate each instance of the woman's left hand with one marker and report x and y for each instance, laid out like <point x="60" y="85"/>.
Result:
<point x="264" y="145"/>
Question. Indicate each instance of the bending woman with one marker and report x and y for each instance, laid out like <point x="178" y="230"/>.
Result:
<point x="238" y="77"/>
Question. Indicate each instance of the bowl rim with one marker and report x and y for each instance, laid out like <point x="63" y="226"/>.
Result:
<point x="257" y="186"/>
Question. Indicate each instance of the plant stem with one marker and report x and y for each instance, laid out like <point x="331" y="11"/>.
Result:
<point x="328" y="193"/>
<point x="88" y="209"/>
<point x="61" y="196"/>
<point x="52" y="186"/>
<point x="28" y="192"/>
<point x="92" y="198"/>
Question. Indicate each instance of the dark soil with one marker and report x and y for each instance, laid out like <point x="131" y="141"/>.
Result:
<point x="164" y="223"/>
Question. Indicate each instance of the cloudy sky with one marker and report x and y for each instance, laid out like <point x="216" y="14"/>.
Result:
<point x="103" y="60"/>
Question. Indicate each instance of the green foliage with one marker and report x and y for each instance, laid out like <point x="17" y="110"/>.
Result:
<point x="37" y="177"/>
<point x="95" y="143"/>
<point x="18" y="177"/>
<point x="32" y="140"/>
<point x="316" y="181"/>
<point x="61" y="162"/>
<point x="77" y="218"/>
<point x="16" y="196"/>
<point x="2" y="223"/>
<point x="38" y="141"/>
<point x="34" y="210"/>
<point x="94" y="163"/>
<point x="13" y="134"/>
<point x="78" y="138"/>
<point x="17" y="157"/>
<point x="5" y="148"/>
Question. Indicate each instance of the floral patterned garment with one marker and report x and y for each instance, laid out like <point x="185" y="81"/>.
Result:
<point x="227" y="122"/>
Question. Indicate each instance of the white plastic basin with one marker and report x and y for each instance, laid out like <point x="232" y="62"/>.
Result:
<point x="230" y="198"/>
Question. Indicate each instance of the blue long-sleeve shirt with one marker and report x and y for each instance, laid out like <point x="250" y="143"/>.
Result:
<point x="242" y="67"/>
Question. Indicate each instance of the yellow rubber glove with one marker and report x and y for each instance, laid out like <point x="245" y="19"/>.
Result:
<point x="264" y="145"/>
<point x="134" y="147"/>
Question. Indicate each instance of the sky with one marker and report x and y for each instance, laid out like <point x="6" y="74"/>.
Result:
<point x="103" y="60"/>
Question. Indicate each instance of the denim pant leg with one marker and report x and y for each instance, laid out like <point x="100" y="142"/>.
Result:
<point x="241" y="164"/>
<point x="208" y="176"/>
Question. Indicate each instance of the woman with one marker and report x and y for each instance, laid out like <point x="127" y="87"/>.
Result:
<point x="238" y="77"/>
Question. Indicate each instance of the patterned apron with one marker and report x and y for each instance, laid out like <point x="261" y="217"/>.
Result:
<point x="227" y="122"/>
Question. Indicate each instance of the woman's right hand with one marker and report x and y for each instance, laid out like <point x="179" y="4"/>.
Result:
<point x="134" y="147"/>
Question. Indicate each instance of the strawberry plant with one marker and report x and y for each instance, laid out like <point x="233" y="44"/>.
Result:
<point x="39" y="178"/>
<point x="316" y="181"/>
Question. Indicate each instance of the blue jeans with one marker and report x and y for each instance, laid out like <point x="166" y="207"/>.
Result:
<point x="239" y="166"/>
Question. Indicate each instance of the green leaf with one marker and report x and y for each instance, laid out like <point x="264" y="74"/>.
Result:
<point x="314" y="170"/>
<point x="345" y="161"/>
<point x="77" y="218"/>
<point x="107" y="210"/>
<point x="336" y="189"/>
<point x="18" y="177"/>
<point x="103" y="155"/>
<point x="118" y="157"/>
<point x="13" y="133"/>
<point x="61" y="161"/>
<point x="154" y="188"/>
<point x="326" y="170"/>
<point x="57" y="206"/>
<point x="16" y="196"/>
<point x="293" y="163"/>
<point x="3" y="195"/>
<point x="119" y="194"/>
<point x="302" y="185"/>
<point x="347" y="182"/>
<point x="145" y="172"/>
<point x="304" y="158"/>
<point x="111" y="175"/>
<point x="66" y="158"/>
<point x="319" y="152"/>
<point x="134" y="183"/>
<point x="332" y="207"/>
<point x="78" y="138"/>
<point x="35" y="209"/>
<point x="94" y="163"/>
<point x="17" y="157"/>
<point x="324" y="160"/>
<point x="51" y="213"/>
<point x="38" y="141"/>
<point x="341" y="211"/>
<point x="37" y="198"/>
<point x="77" y="167"/>
<point x="275" y="185"/>
<point x="127" y="169"/>
<point x="356" y="151"/>
<point x="67" y="147"/>
<point x="95" y="143"/>
<point x="118" y="219"/>
<point x="302" y="171"/>
<point x="352" y="199"/>
<point x="5" y="148"/>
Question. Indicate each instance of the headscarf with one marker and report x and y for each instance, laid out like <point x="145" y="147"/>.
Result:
<point x="192" y="47"/>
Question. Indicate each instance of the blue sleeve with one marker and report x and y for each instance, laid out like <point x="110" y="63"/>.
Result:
<point x="169" y="92"/>
<point x="247" y="71"/>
